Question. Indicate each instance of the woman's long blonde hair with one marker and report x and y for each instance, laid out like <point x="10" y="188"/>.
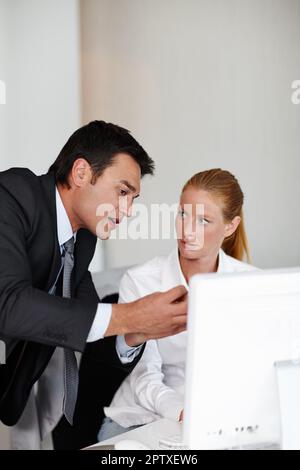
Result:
<point x="226" y="188"/>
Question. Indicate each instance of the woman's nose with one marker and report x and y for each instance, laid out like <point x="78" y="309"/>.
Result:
<point x="190" y="236"/>
<point x="188" y="233"/>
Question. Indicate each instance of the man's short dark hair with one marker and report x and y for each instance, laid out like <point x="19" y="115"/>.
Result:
<point x="98" y="143"/>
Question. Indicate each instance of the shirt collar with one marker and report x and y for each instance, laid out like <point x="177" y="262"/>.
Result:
<point x="64" y="227"/>
<point x="225" y="262"/>
<point x="172" y="274"/>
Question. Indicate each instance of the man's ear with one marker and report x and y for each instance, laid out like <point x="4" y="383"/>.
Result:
<point x="231" y="227"/>
<point x="81" y="173"/>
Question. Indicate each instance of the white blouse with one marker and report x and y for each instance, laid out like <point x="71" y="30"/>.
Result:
<point x="155" y="388"/>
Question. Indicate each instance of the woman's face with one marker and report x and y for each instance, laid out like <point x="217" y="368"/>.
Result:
<point x="200" y="224"/>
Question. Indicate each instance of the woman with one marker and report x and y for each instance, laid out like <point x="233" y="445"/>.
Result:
<point x="213" y="240"/>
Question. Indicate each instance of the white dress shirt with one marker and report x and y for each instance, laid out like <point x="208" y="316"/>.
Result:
<point x="104" y="311"/>
<point x="155" y="388"/>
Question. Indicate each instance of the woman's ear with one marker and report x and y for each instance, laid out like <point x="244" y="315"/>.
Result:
<point x="231" y="227"/>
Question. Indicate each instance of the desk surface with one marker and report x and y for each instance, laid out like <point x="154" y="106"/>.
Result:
<point x="150" y="434"/>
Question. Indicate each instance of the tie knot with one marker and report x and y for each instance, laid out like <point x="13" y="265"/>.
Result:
<point x="69" y="246"/>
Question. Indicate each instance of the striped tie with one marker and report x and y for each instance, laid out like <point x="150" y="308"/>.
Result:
<point x="70" y="362"/>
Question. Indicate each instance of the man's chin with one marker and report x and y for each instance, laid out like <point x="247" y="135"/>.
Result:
<point x="104" y="236"/>
<point x="103" y="231"/>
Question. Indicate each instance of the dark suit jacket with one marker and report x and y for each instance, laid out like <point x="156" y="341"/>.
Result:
<point x="92" y="397"/>
<point x="32" y="322"/>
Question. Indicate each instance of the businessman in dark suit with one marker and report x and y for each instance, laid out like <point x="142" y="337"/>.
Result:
<point x="49" y="307"/>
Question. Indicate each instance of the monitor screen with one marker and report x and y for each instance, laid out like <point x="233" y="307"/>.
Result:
<point x="239" y="327"/>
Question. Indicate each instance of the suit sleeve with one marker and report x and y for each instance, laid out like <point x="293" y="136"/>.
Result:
<point x="86" y="290"/>
<point x="27" y="313"/>
<point x="104" y="350"/>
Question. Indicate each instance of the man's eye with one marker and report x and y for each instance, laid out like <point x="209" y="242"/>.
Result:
<point x="182" y="214"/>
<point x="123" y="192"/>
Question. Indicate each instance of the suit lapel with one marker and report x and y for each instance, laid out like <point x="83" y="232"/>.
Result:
<point x="48" y="184"/>
<point x="84" y="252"/>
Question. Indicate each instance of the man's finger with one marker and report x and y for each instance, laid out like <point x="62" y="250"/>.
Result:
<point x="175" y="294"/>
<point x="180" y="308"/>
<point x="171" y="332"/>
<point x="178" y="329"/>
<point x="180" y="321"/>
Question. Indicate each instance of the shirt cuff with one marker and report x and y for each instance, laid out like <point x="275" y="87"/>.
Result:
<point x="170" y="405"/>
<point x="126" y="353"/>
<point x="100" y="323"/>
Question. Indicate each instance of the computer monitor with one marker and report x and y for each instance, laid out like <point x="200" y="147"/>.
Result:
<point x="243" y="374"/>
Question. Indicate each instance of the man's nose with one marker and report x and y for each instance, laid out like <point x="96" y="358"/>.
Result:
<point x="125" y="209"/>
<point x="129" y="210"/>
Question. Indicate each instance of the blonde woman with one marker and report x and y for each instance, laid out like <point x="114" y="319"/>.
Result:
<point x="215" y="241"/>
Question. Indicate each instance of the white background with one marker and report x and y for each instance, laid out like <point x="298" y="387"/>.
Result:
<point x="204" y="84"/>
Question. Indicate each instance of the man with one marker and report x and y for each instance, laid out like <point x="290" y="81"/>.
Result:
<point x="49" y="307"/>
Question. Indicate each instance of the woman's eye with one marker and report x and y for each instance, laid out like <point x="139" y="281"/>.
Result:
<point x="203" y="221"/>
<point x="123" y="192"/>
<point x="182" y="214"/>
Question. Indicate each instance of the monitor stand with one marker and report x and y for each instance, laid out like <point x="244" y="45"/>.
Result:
<point x="288" y="379"/>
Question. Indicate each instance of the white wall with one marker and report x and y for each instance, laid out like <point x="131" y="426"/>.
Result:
<point x="203" y="84"/>
<point x="40" y="62"/>
<point x="40" y="45"/>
